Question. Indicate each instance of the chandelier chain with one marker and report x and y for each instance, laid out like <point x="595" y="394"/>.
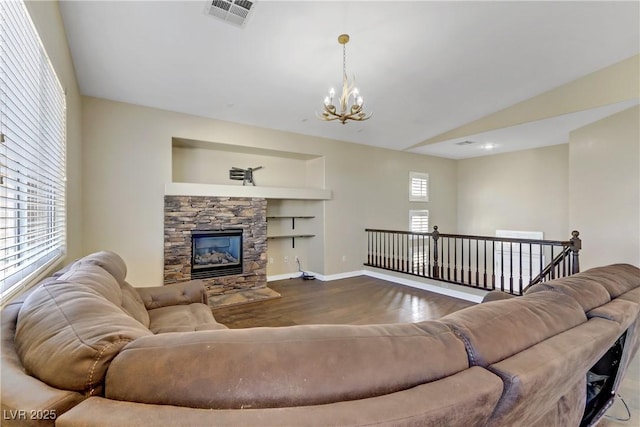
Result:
<point x="344" y="59"/>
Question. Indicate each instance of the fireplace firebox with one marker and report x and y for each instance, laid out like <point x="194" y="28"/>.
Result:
<point x="216" y="253"/>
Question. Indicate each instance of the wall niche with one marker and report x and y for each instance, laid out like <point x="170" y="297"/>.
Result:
<point x="209" y="163"/>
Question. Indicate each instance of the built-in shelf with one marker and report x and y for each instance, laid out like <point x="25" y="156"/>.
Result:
<point x="292" y="236"/>
<point x="222" y="190"/>
<point x="289" y="216"/>
<point x="288" y="236"/>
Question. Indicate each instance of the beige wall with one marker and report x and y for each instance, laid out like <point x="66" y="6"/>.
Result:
<point x="525" y="190"/>
<point x="48" y="22"/>
<point x="119" y="157"/>
<point x="604" y="189"/>
<point x="128" y="159"/>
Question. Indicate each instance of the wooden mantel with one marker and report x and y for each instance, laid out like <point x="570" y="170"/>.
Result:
<point x="221" y="190"/>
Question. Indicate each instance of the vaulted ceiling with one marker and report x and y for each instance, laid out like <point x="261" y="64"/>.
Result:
<point x="423" y="68"/>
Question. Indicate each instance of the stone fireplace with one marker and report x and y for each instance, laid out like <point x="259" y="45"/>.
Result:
<point x="216" y="253"/>
<point x="221" y="240"/>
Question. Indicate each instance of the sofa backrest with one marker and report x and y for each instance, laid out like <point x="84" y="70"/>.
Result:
<point x="71" y="326"/>
<point x="493" y="331"/>
<point x="284" y="366"/>
<point x="545" y="383"/>
<point x="111" y="262"/>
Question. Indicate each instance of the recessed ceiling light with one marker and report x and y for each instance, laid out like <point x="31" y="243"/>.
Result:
<point x="488" y="146"/>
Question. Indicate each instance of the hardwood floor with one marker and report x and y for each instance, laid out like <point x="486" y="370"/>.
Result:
<point x="366" y="300"/>
<point x="356" y="301"/>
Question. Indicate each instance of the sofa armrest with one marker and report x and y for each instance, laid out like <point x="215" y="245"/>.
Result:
<point x="497" y="296"/>
<point x="175" y="294"/>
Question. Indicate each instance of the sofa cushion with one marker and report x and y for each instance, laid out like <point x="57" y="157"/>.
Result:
<point x="619" y="310"/>
<point x="67" y="333"/>
<point x="285" y="366"/>
<point x="109" y="261"/>
<point x="585" y="289"/>
<point x="192" y="291"/>
<point x="632" y="295"/>
<point x="129" y="299"/>
<point x="97" y="279"/>
<point x="182" y="318"/>
<point x="617" y="279"/>
<point x="492" y="331"/>
<point x="132" y="303"/>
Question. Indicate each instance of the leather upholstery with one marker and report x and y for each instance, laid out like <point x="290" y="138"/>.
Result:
<point x="588" y="292"/>
<point x="68" y="332"/>
<point x="464" y="399"/>
<point x="73" y="324"/>
<point x="261" y="367"/>
<point x="25" y="393"/>
<point x="156" y="356"/>
<point x="493" y="331"/>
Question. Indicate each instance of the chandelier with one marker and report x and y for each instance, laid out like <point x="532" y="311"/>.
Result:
<point x="350" y="102"/>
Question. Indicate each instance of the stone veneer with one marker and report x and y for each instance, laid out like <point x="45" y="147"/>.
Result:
<point x="182" y="214"/>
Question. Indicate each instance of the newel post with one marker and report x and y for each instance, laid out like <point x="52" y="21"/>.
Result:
<point x="576" y="245"/>
<point x="434" y="236"/>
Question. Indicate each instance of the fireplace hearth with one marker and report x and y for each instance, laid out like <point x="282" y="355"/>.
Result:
<point x="216" y="253"/>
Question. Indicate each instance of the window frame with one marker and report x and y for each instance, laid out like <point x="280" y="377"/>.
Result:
<point x="420" y="180"/>
<point x="33" y="143"/>
<point x="414" y="213"/>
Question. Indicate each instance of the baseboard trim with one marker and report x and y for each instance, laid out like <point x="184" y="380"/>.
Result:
<point x="345" y="275"/>
<point x="283" y="276"/>
<point x="448" y="289"/>
<point x="442" y="288"/>
<point x="320" y="277"/>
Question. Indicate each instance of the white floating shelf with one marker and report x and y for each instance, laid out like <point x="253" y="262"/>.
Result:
<point x="221" y="190"/>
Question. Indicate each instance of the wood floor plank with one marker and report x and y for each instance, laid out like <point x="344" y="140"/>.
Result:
<point x="356" y="301"/>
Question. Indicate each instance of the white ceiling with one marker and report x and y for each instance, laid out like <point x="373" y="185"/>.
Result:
<point x="423" y="67"/>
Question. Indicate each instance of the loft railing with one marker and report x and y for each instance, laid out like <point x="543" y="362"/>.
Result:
<point x="483" y="262"/>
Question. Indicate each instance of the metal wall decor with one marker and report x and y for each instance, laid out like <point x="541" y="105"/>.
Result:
<point x="244" y="175"/>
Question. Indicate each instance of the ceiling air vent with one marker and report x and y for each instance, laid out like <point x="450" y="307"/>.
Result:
<point x="235" y="12"/>
<point x="465" y="142"/>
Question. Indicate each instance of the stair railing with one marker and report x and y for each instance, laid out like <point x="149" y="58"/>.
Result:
<point x="484" y="262"/>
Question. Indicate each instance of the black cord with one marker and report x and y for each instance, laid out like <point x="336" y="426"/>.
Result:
<point x="626" y="407"/>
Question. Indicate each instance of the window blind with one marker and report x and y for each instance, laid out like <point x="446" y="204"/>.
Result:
<point x="419" y="221"/>
<point x="418" y="187"/>
<point x="32" y="152"/>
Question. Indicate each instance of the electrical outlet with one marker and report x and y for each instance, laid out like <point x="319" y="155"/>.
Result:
<point x="296" y="258"/>
<point x="286" y="260"/>
<point x="344" y="258"/>
<point x="271" y="260"/>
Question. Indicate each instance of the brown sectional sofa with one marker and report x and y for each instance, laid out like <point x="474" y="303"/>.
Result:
<point x="84" y="348"/>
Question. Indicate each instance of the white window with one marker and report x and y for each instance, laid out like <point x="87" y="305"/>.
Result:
<point x="32" y="153"/>
<point x="419" y="221"/>
<point x="418" y="187"/>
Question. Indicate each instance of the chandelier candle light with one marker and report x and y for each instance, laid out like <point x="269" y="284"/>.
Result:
<point x="346" y="112"/>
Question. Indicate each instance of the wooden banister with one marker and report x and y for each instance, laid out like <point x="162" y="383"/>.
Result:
<point x="471" y="260"/>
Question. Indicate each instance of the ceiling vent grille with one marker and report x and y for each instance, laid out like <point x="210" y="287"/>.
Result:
<point x="465" y="142"/>
<point x="235" y="12"/>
